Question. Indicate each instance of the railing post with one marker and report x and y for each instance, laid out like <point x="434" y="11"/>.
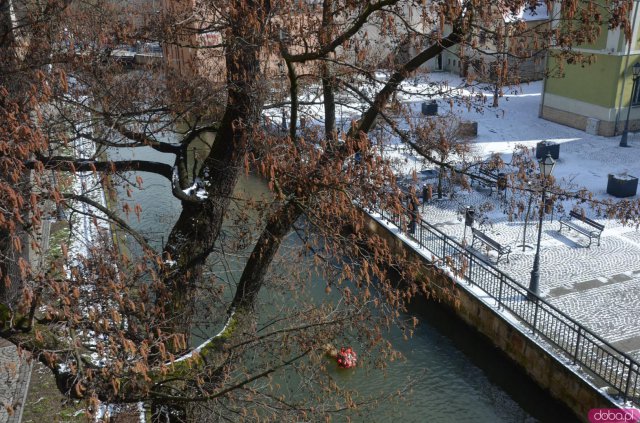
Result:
<point x="469" y="280"/>
<point x="575" y="353"/>
<point x="444" y="247"/>
<point x="626" y="389"/>
<point x="535" y="316"/>
<point x="500" y="290"/>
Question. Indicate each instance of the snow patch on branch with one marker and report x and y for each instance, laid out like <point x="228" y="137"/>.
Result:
<point x="197" y="189"/>
<point x="195" y="193"/>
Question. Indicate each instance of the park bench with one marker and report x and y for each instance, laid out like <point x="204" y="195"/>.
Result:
<point x="490" y="243"/>
<point x="592" y="230"/>
<point x="489" y="178"/>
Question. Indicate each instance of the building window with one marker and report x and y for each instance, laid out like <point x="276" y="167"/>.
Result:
<point x="635" y="96"/>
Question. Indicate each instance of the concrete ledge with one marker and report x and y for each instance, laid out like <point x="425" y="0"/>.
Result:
<point x="543" y="367"/>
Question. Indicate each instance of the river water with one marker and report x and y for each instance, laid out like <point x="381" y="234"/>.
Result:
<point x="458" y="376"/>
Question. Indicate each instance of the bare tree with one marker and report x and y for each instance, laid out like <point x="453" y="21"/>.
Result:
<point x="115" y="327"/>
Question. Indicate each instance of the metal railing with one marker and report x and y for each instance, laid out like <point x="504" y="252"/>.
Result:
<point x="578" y="344"/>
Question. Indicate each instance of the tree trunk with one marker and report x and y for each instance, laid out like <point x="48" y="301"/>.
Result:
<point x="193" y="236"/>
<point x="329" y="104"/>
<point x="266" y="247"/>
<point x="327" y="79"/>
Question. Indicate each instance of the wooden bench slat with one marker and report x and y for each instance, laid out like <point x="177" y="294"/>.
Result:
<point x="577" y="227"/>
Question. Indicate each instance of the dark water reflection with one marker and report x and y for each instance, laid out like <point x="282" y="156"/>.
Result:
<point x="457" y="375"/>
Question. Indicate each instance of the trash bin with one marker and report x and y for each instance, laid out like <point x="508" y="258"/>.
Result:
<point x="469" y="214"/>
<point x="430" y="109"/>
<point x="544" y="147"/>
<point x="502" y="181"/>
<point x="622" y="185"/>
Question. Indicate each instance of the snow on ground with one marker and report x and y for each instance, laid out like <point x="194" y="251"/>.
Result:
<point x="584" y="159"/>
<point x="598" y="286"/>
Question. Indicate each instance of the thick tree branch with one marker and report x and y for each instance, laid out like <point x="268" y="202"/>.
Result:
<point x="112" y="217"/>
<point x="358" y="23"/>
<point x="281" y="221"/>
<point x="293" y="93"/>
<point x="382" y="97"/>
<point x="278" y="226"/>
<point x="162" y="147"/>
<point x="144" y="140"/>
<point x="71" y="164"/>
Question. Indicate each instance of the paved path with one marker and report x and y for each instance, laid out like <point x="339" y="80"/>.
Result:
<point x="597" y="286"/>
<point x="15" y="374"/>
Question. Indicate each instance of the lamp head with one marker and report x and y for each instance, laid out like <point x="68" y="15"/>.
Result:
<point x="546" y="165"/>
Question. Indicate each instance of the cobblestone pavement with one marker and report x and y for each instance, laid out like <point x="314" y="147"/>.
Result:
<point x="15" y="373"/>
<point x="598" y="286"/>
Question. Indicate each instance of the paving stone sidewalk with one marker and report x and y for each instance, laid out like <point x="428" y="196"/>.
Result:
<point x="598" y="286"/>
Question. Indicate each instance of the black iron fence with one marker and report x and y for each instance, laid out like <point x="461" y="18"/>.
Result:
<point x="578" y="345"/>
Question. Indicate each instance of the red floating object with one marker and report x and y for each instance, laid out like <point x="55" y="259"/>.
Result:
<point x="347" y="358"/>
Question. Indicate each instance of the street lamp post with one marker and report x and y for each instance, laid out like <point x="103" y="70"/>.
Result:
<point x="625" y="132"/>
<point x="282" y="76"/>
<point x="546" y="165"/>
<point x="54" y="181"/>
